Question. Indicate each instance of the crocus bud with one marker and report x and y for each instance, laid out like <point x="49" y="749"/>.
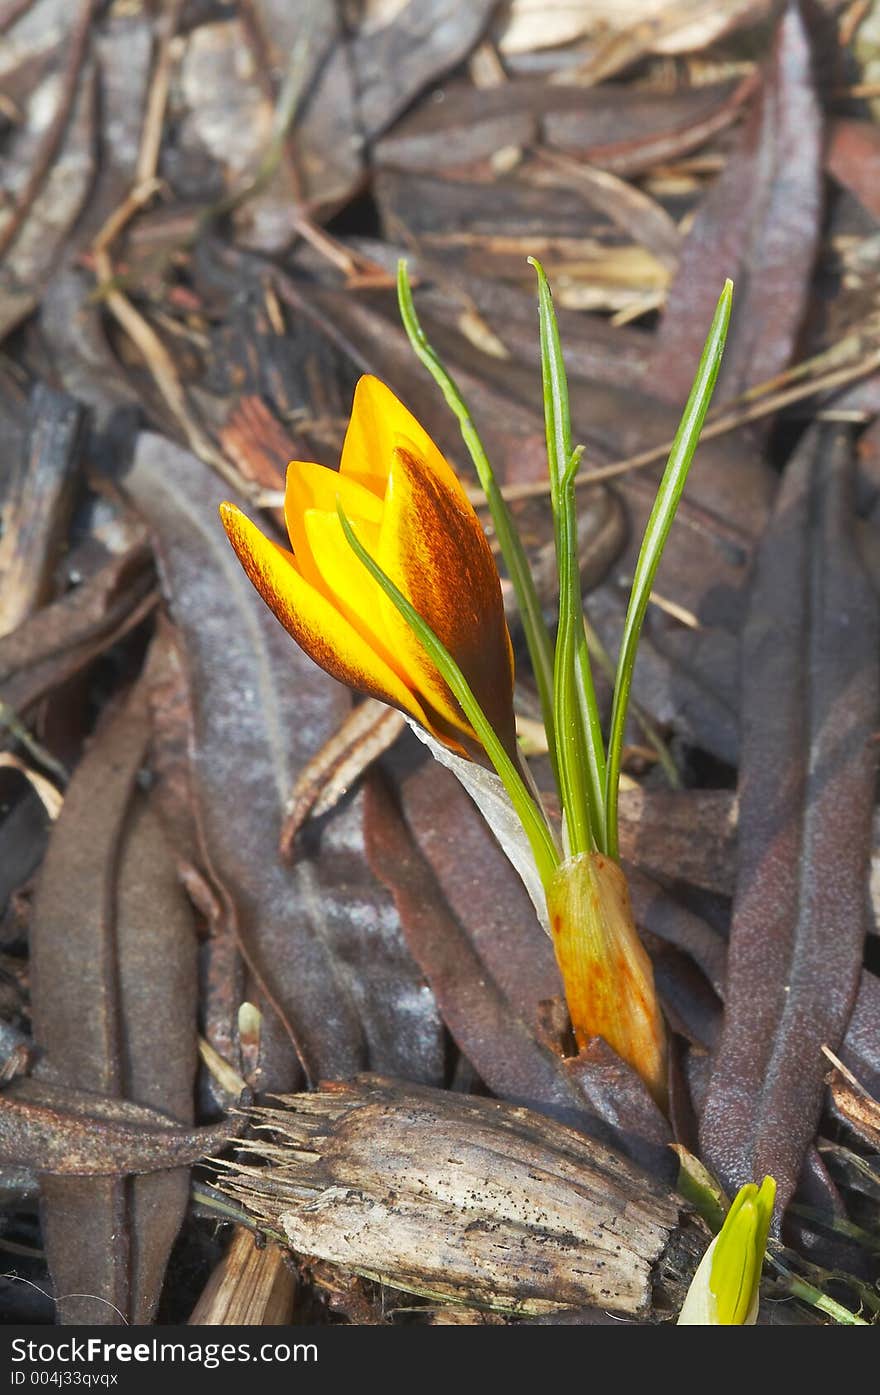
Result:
<point x="409" y="509"/>
<point x="724" y="1290"/>
<point x="607" y="975"/>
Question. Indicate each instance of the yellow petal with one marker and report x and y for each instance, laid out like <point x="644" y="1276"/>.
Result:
<point x="434" y="549"/>
<point x="311" y="486"/>
<point x="316" y="625"/>
<point x="347" y="582"/>
<point x="354" y="592"/>
<point x="379" y="422"/>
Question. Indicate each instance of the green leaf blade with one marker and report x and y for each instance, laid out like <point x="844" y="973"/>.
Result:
<point x="538" y="641"/>
<point x="656" y="532"/>
<point x="581" y="749"/>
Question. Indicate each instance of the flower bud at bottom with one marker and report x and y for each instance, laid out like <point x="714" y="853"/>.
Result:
<point x="608" y="978"/>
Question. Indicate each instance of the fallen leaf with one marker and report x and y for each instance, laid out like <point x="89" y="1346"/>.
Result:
<point x="759" y="224"/>
<point x="114" y="1007"/>
<point x="396" y="61"/>
<point x="63" y="1132"/>
<point x="806" y="790"/>
<point x="36" y="517"/>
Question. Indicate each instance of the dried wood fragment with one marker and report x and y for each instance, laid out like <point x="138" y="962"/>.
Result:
<point x="253" y="1285"/>
<point x="461" y="1199"/>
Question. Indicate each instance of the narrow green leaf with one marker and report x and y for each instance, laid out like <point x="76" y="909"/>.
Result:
<point x="557" y="417"/>
<point x="656" y="532"/>
<point x="697" y="1185"/>
<point x="581" y="749"/>
<point x="538" y="641"/>
<point x="568" y="713"/>
<point x="533" y="822"/>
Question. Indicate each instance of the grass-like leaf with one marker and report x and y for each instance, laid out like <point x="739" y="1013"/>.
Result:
<point x="538" y="641"/>
<point x="531" y="818"/>
<point x="656" y="532"/>
<point x="580" y="747"/>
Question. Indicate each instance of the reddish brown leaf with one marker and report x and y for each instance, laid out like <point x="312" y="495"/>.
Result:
<point x="861" y="1045"/>
<point x="810" y="705"/>
<point x="79" y="1133"/>
<point x="759" y="225"/>
<point x="686" y="834"/>
<point x="615" y="127"/>
<point x="114" y="1007"/>
<point x="64" y="637"/>
<point x="852" y="156"/>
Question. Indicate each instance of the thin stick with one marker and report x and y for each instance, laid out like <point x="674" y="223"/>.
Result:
<point x="355" y="267"/>
<point x="847" y="1073"/>
<point x="151" y="136"/>
<point x="719" y="427"/>
<point x="138" y="329"/>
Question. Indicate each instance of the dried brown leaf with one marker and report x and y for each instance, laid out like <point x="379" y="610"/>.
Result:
<point x="114" y="1003"/>
<point x="622" y="129"/>
<point x="810" y="705"/>
<point x="36" y="517"/>
<point x="759" y="225"/>
<point x="852" y="157"/>
<point x="62" y="638"/>
<point x="398" y="60"/>
<point x="64" y="1132"/>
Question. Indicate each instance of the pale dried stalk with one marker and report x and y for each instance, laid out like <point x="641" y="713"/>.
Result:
<point x="364" y="735"/>
<point x="253" y="1285"/>
<point x="141" y="333"/>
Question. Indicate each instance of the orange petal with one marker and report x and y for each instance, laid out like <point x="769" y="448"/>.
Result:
<point x="434" y="549"/>
<point x="379" y="422"/>
<point x="316" y="625"/>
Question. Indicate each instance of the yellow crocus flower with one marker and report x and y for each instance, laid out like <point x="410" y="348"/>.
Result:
<point x="412" y="515"/>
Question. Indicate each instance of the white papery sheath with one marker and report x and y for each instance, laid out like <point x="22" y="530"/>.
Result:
<point x="494" y="803"/>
